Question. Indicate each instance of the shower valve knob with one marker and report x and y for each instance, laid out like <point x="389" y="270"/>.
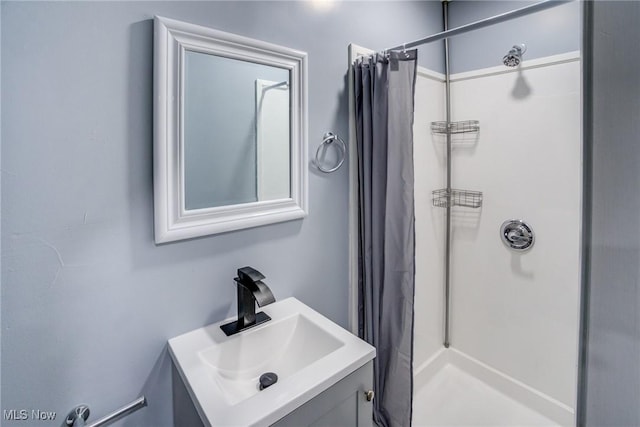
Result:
<point x="517" y="235"/>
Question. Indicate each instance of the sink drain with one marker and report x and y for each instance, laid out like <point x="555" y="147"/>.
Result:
<point x="268" y="379"/>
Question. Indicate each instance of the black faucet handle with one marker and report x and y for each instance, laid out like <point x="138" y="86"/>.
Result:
<point x="249" y="274"/>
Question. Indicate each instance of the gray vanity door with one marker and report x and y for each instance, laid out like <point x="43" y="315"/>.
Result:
<point x="343" y="405"/>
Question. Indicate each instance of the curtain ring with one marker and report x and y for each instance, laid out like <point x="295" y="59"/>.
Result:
<point x="330" y="138"/>
<point x="404" y="50"/>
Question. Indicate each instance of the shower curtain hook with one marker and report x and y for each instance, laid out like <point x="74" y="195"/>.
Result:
<point x="404" y="50"/>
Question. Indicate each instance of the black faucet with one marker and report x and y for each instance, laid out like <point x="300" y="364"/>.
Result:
<point x="251" y="290"/>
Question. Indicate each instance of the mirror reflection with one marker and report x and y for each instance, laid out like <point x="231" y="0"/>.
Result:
<point x="236" y="130"/>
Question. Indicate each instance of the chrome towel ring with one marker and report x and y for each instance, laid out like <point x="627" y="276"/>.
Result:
<point x="328" y="139"/>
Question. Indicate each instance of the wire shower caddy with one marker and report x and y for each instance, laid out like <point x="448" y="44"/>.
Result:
<point x="445" y="198"/>
<point x="465" y="198"/>
<point x="465" y="126"/>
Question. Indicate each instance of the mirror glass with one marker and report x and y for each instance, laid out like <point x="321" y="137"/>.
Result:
<point x="230" y="132"/>
<point x="236" y="131"/>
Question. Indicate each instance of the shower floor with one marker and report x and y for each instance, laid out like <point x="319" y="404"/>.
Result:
<point x="454" y="397"/>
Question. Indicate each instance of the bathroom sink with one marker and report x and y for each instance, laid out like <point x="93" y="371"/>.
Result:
<point x="308" y="352"/>
<point x="284" y="348"/>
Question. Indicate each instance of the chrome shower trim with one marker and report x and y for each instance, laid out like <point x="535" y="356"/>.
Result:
<point x="514" y="57"/>
<point x="517" y="235"/>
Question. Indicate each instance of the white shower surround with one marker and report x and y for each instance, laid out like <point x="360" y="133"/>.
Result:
<point x="515" y="314"/>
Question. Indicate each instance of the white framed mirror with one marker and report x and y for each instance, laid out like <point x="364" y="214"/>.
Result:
<point x="230" y="132"/>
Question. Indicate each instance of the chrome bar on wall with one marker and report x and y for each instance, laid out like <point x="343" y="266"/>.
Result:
<point x="139" y="403"/>
<point x="517" y="13"/>
<point x="79" y="415"/>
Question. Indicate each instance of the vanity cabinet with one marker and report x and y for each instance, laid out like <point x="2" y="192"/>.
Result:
<point x="342" y="405"/>
<point x="324" y="372"/>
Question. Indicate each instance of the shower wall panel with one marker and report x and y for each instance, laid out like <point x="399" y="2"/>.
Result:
<point x="430" y="173"/>
<point x="518" y="312"/>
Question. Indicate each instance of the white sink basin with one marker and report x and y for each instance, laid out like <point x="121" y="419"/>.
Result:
<point x="284" y="347"/>
<point x="307" y="351"/>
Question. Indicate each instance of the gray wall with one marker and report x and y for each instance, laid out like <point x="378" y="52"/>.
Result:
<point x="613" y="374"/>
<point x="545" y="33"/>
<point x="430" y="55"/>
<point x="88" y="301"/>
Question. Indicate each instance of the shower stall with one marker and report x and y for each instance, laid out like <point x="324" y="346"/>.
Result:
<point x="497" y="151"/>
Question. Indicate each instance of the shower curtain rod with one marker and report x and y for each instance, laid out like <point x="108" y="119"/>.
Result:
<point x="517" y="13"/>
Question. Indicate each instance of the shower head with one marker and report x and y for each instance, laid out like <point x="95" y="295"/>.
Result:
<point x="514" y="57"/>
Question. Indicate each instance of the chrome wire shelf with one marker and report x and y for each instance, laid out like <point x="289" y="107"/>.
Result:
<point x="465" y="198"/>
<point x="466" y="126"/>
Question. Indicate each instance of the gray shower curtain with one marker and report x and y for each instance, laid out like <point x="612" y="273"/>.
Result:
<point x="384" y="96"/>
